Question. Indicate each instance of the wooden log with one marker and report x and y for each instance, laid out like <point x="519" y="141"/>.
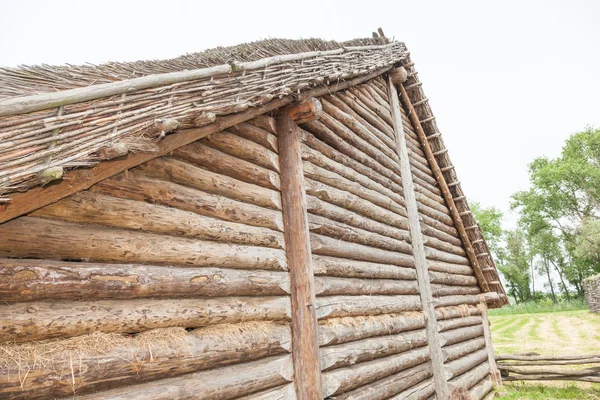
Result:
<point x="338" y="230"/>
<point x="344" y="355"/>
<point x="40" y="320"/>
<point x="438" y="255"/>
<point x="449" y="268"/>
<point x="347" y="306"/>
<point x="222" y="163"/>
<point x="551" y="371"/>
<point x="147" y="357"/>
<point x="154" y="191"/>
<point x="182" y="173"/>
<point x="286" y="392"/>
<point x="457" y="300"/>
<point x="379" y="96"/>
<point x="345" y="379"/>
<point x="354" y="203"/>
<point x="398" y="75"/>
<point x="386" y="387"/>
<point x="422" y="391"/>
<point x="465" y="310"/>
<point x="94" y="208"/>
<point x="322" y="208"/>
<point x="537" y="357"/>
<point x="358" y="129"/>
<point x="381" y="111"/>
<point x="452" y="279"/>
<point x="304" y="111"/>
<point x="439" y="226"/>
<point x="453" y="336"/>
<point x="515" y="378"/>
<point x="349" y="329"/>
<point x="256" y="134"/>
<point x="216" y="384"/>
<point x="330" y="147"/>
<point x="325" y="134"/>
<point x="368" y="116"/>
<point x="265" y="122"/>
<point x="332" y="266"/>
<point x="461" y="349"/>
<point x="443" y="246"/>
<point x="317" y="158"/>
<point x="480" y="390"/>
<point x="331" y="179"/>
<point x="83" y="179"/>
<point x="435" y="346"/>
<point x="331" y="286"/>
<point x="450" y="290"/>
<point x="445" y="191"/>
<point x="558" y="362"/>
<point x="37" y="280"/>
<point x="244" y="149"/>
<point x="466" y="363"/>
<point x="298" y="251"/>
<point x="326" y="246"/>
<point x="471" y="377"/>
<point x="29" y="237"/>
<point x="436" y="214"/>
<point x="459" y="322"/>
<point x="487" y="334"/>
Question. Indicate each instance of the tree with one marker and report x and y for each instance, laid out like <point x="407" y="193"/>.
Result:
<point x="515" y="265"/>
<point x="490" y="221"/>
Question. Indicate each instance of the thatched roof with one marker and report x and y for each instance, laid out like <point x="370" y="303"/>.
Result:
<point x="52" y="118"/>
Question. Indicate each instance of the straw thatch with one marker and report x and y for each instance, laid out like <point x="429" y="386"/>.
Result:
<point x="52" y="118"/>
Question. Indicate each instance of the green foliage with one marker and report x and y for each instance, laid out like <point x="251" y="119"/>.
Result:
<point x="490" y="221"/>
<point x="587" y="243"/>
<point x="544" y="305"/>
<point x="540" y="392"/>
<point x="514" y="265"/>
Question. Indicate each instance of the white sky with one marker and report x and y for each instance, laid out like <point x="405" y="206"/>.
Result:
<point x="508" y="80"/>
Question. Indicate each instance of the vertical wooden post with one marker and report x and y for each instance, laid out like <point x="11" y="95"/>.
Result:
<point x="435" y="348"/>
<point x="494" y="372"/>
<point x="297" y="243"/>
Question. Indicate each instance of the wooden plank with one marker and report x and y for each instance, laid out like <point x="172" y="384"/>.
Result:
<point x="435" y="347"/>
<point x="494" y="372"/>
<point x="81" y="179"/>
<point x="297" y="239"/>
<point x="445" y="190"/>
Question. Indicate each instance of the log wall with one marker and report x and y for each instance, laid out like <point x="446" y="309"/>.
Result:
<point x="171" y="280"/>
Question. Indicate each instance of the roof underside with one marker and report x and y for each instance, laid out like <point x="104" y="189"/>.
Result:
<point x="57" y="118"/>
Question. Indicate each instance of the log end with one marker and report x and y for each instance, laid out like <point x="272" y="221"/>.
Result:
<point x="305" y="111"/>
<point x="398" y="75"/>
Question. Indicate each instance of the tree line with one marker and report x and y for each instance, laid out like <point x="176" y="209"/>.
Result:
<point x="558" y="230"/>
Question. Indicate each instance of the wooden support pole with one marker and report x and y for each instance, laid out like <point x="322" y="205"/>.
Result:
<point x="494" y="372"/>
<point x="433" y="338"/>
<point x="430" y="155"/>
<point x="298" y="253"/>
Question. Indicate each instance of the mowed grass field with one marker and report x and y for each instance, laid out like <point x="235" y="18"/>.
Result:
<point x="549" y="333"/>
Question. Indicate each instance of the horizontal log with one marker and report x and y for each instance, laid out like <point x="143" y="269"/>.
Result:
<point x="345" y="379"/>
<point x="183" y="173"/>
<point x="389" y="386"/>
<point x="537" y="357"/>
<point x="330" y="286"/>
<point x="45" y="320"/>
<point x="244" y="149"/>
<point x="528" y="370"/>
<point x="342" y="153"/>
<point x="471" y="377"/>
<point x="453" y="323"/>
<point x="422" y="391"/>
<point x="516" y="378"/>
<point x="453" y="336"/>
<point x="370" y="117"/>
<point x="332" y="266"/>
<point x="337" y="181"/>
<point x="286" y="392"/>
<point x="382" y="111"/>
<point x="480" y="390"/>
<point x="438" y="234"/>
<point x="331" y="211"/>
<point x="456" y="300"/>
<point x="457" y="350"/>
<point x="338" y="230"/>
<point x="317" y="158"/>
<point x="557" y="362"/>
<point x="439" y="255"/>
<point x="265" y="122"/>
<point x="452" y="279"/>
<point x="344" y="355"/>
<point x="326" y="246"/>
<point x="347" y="306"/>
<point x="155" y="191"/>
<point x="36" y="280"/>
<point x="451" y="290"/>
<point x="348" y="329"/>
<point x="222" y="163"/>
<point x="157" y="354"/>
<point x="98" y="209"/>
<point x="435" y="214"/>
<point x="450" y="268"/>
<point x="355" y="203"/>
<point x="445" y="313"/>
<point x="466" y="363"/>
<point x="325" y="134"/>
<point x="30" y="237"/>
<point x="256" y="134"/>
<point x="443" y="245"/>
<point x="445" y="231"/>
<point x="216" y="384"/>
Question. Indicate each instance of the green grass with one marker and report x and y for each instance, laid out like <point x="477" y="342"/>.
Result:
<point x="542" y="392"/>
<point x="536" y="308"/>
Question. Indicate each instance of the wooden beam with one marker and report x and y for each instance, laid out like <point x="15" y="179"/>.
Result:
<point x="423" y="279"/>
<point x="298" y="253"/>
<point x="437" y="172"/>
<point x="304" y="111"/>
<point x="81" y="179"/>
<point x="487" y="335"/>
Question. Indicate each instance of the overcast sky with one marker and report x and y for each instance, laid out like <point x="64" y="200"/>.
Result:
<point x="508" y="81"/>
